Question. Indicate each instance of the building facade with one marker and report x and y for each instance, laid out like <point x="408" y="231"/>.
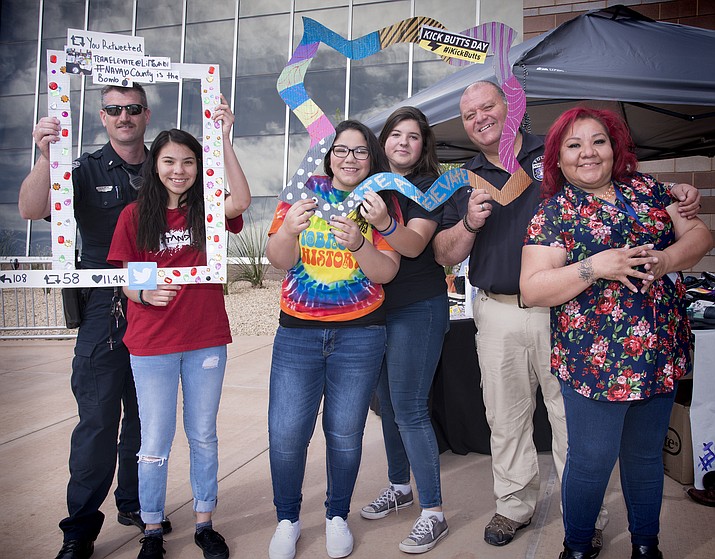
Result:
<point x="251" y="41"/>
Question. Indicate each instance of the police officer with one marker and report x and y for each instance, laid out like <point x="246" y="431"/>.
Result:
<point x="104" y="183"/>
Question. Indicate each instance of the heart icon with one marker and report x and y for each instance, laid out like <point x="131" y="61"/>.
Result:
<point x="96" y="278"/>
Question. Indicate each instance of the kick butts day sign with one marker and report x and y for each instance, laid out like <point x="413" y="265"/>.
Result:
<point x="120" y="60"/>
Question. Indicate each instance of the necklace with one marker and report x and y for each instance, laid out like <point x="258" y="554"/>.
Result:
<point x="609" y="195"/>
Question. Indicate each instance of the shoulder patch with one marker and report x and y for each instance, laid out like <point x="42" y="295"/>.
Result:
<point x="76" y="164"/>
<point x="537" y="168"/>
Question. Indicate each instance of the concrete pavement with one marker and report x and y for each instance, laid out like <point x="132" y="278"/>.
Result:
<point x="38" y="413"/>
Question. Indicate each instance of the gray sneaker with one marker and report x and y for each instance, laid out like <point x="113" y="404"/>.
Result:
<point x="388" y="501"/>
<point x="426" y="532"/>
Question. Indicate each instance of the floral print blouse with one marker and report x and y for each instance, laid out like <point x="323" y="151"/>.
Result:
<point x="609" y="343"/>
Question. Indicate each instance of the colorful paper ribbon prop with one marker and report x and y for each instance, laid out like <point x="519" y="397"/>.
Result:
<point x="292" y="90"/>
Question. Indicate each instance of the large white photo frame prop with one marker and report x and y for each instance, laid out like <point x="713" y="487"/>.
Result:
<point x="63" y="231"/>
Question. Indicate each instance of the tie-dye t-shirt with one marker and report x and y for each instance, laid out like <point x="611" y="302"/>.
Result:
<point x="326" y="284"/>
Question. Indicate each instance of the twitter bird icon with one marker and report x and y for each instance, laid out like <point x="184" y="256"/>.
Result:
<point x="142" y="275"/>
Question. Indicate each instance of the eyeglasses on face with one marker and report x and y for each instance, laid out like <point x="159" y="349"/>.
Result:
<point x="132" y="110"/>
<point x="360" y="152"/>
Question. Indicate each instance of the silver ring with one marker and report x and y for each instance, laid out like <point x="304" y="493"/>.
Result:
<point x="481" y="207"/>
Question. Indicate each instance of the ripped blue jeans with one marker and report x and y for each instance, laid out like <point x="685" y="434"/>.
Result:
<point x="157" y="381"/>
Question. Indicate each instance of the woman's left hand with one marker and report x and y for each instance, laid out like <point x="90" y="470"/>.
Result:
<point x="658" y="268"/>
<point x="223" y="113"/>
<point x="346" y="232"/>
<point x="374" y="210"/>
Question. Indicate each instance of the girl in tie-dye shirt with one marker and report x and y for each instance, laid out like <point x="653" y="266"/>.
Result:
<point x="331" y="338"/>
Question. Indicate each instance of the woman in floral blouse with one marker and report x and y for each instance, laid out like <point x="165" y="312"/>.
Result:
<point x="598" y="252"/>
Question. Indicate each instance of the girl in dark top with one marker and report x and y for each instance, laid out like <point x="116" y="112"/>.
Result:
<point x="417" y="320"/>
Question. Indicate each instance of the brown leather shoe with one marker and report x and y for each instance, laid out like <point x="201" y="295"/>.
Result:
<point x="703" y="496"/>
<point x="597" y="539"/>
<point x="501" y="530"/>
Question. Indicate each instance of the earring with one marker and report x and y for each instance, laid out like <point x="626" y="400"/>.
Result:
<point x="558" y="165"/>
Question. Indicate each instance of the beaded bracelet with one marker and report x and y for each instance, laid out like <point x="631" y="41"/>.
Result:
<point x="141" y="298"/>
<point x="468" y="227"/>
<point x="390" y="229"/>
<point x="358" y="248"/>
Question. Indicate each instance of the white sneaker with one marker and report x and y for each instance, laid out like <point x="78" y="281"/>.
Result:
<point x="284" y="540"/>
<point x="338" y="539"/>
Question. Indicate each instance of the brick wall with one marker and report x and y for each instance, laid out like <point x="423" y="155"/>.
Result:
<point x="542" y="15"/>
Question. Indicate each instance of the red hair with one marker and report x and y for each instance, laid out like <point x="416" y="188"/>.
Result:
<point x="624" y="157"/>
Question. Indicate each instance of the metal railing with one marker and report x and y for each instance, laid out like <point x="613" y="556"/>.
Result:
<point x="31" y="312"/>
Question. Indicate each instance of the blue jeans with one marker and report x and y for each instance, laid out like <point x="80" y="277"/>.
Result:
<point x="157" y="381"/>
<point x="415" y="334"/>
<point x="599" y="432"/>
<point x="103" y="386"/>
<point x="339" y="366"/>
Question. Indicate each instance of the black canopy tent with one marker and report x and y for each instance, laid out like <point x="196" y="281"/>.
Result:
<point x="659" y="76"/>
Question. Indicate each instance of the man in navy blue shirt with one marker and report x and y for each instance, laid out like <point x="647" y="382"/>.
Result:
<point x="104" y="183"/>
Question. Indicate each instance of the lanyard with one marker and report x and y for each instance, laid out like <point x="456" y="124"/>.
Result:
<point x="629" y="208"/>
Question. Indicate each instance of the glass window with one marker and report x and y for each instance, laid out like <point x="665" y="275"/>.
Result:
<point x="192" y="107"/>
<point x="302" y="5"/>
<point x="93" y="133"/>
<point x="59" y="16"/>
<point x="18" y="47"/>
<point x="250" y="8"/>
<point x="260" y="213"/>
<point x="202" y="11"/>
<point x="259" y="107"/>
<point x="164" y="103"/>
<point x="211" y="43"/>
<point x="261" y="158"/>
<point x="40" y="233"/>
<point x="462" y="14"/>
<point x="18" y="67"/>
<point x="162" y="41"/>
<point x="12" y="231"/>
<point x="263" y="45"/>
<point x="379" y="80"/>
<point x="15" y="164"/>
<point x="110" y="16"/>
<point x="19" y="21"/>
<point x="16" y="118"/>
<point x="159" y="13"/>
<point x="376" y="88"/>
<point x="427" y="73"/>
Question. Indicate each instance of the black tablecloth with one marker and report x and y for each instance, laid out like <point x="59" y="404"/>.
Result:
<point x="457" y="407"/>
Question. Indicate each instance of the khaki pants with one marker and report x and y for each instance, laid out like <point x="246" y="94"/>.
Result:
<point x="514" y="348"/>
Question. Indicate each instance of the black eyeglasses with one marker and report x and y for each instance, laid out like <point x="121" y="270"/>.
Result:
<point x="133" y="110"/>
<point x="359" y="152"/>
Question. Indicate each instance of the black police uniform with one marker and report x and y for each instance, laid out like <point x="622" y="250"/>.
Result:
<point x="495" y="258"/>
<point x="102" y="380"/>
